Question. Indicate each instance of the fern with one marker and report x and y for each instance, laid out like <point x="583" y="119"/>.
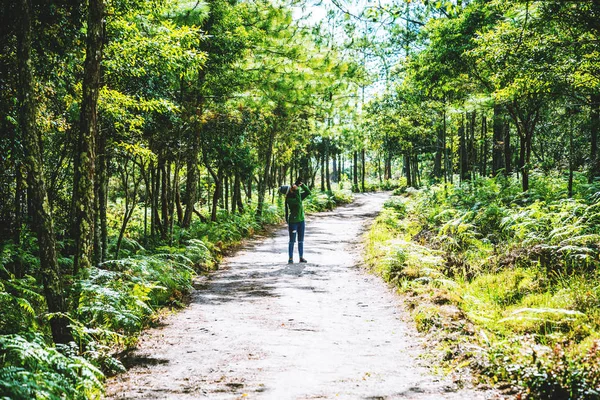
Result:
<point x="31" y="370"/>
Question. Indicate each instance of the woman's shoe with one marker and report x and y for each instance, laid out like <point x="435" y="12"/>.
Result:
<point x="303" y="260"/>
<point x="290" y="261"/>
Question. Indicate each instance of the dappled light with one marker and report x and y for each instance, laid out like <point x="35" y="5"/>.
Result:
<point x="152" y="152"/>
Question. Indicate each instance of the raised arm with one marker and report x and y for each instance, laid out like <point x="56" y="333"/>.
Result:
<point x="305" y="191"/>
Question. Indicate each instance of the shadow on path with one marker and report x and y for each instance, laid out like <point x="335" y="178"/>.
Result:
<point x="260" y="328"/>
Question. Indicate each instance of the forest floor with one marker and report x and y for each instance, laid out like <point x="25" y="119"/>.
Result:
<point x="262" y="329"/>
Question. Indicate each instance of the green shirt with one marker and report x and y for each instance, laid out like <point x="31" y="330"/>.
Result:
<point x="294" y="203"/>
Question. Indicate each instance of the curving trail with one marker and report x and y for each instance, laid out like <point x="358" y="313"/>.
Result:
<point x="262" y="329"/>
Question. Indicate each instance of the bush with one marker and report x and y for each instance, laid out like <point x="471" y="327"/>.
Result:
<point x="515" y="264"/>
<point x="21" y="303"/>
<point x="272" y="214"/>
<point x="398" y="205"/>
<point x="321" y="201"/>
<point x="199" y="254"/>
<point x="544" y="373"/>
<point x="29" y="369"/>
<point x="562" y="377"/>
<point x="229" y="229"/>
<point x="393" y="184"/>
<point x="399" y="191"/>
<point x="343" y="196"/>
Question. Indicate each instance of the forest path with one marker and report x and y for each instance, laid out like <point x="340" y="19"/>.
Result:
<point x="262" y="329"/>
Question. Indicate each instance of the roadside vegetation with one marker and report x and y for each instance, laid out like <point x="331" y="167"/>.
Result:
<point x="506" y="282"/>
<point x="140" y="140"/>
<point x="116" y="300"/>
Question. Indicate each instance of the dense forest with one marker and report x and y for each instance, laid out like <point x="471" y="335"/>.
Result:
<point x="139" y="140"/>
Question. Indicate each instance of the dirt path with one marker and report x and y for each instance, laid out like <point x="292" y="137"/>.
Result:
<point x="262" y="329"/>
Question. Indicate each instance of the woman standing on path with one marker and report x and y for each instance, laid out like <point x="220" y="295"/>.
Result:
<point x="294" y="215"/>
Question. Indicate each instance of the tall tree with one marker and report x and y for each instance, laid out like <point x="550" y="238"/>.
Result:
<point x="38" y="196"/>
<point x="83" y="184"/>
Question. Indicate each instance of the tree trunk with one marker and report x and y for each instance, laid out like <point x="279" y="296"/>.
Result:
<point x="236" y="197"/>
<point x="177" y="191"/>
<point x="507" y="150"/>
<point x="249" y="191"/>
<point x="146" y="197"/>
<point x="416" y="170"/>
<point x="388" y="166"/>
<point x="525" y="115"/>
<point x="20" y="186"/>
<point x="217" y="177"/>
<point x="451" y="156"/>
<point x="83" y="185"/>
<point x="49" y="268"/>
<point x="151" y="199"/>
<point x="437" y="162"/>
<point x="226" y="194"/>
<point x="355" y="171"/>
<point x="521" y="165"/>
<point x="350" y="169"/>
<point x="473" y="159"/>
<point x="208" y="200"/>
<point x="334" y="172"/>
<point x="407" y="170"/>
<point x="262" y="182"/>
<point x="527" y="163"/>
<point x="101" y="194"/>
<point x="154" y="217"/>
<point x="327" y="175"/>
<point x="174" y="187"/>
<point x="235" y="192"/>
<point x="240" y="202"/>
<point x="447" y="166"/>
<point x="364" y="169"/>
<point x="464" y="156"/>
<point x="191" y="181"/>
<point x="164" y="196"/>
<point x="129" y="205"/>
<point x="571" y="156"/>
<point x="160" y="227"/>
<point x="484" y="149"/>
<point x="322" y="170"/>
<point x="594" y="129"/>
<point x="498" y="141"/>
<point x="169" y="189"/>
<point x="272" y="179"/>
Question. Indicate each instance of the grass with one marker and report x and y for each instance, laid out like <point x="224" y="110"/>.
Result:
<point x="512" y="275"/>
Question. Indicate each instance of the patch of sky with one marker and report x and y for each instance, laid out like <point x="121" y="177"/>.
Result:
<point x="353" y="27"/>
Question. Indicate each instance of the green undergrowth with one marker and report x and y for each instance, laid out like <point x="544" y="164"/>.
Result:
<point x="113" y="302"/>
<point x="34" y="370"/>
<point x="374" y="185"/>
<point x="507" y="282"/>
<point x="322" y="201"/>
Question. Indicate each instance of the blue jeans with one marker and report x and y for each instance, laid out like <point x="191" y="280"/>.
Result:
<point x="296" y="228"/>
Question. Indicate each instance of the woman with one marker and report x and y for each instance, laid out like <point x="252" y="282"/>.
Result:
<point x="294" y="215"/>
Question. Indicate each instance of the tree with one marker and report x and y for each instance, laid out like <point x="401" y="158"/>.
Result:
<point x="216" y="80"/>
<point x="39" y="198"/>
<point x="514" y="57"/>
<point x="576" y="27"/>
<point x="85" y="156"/>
